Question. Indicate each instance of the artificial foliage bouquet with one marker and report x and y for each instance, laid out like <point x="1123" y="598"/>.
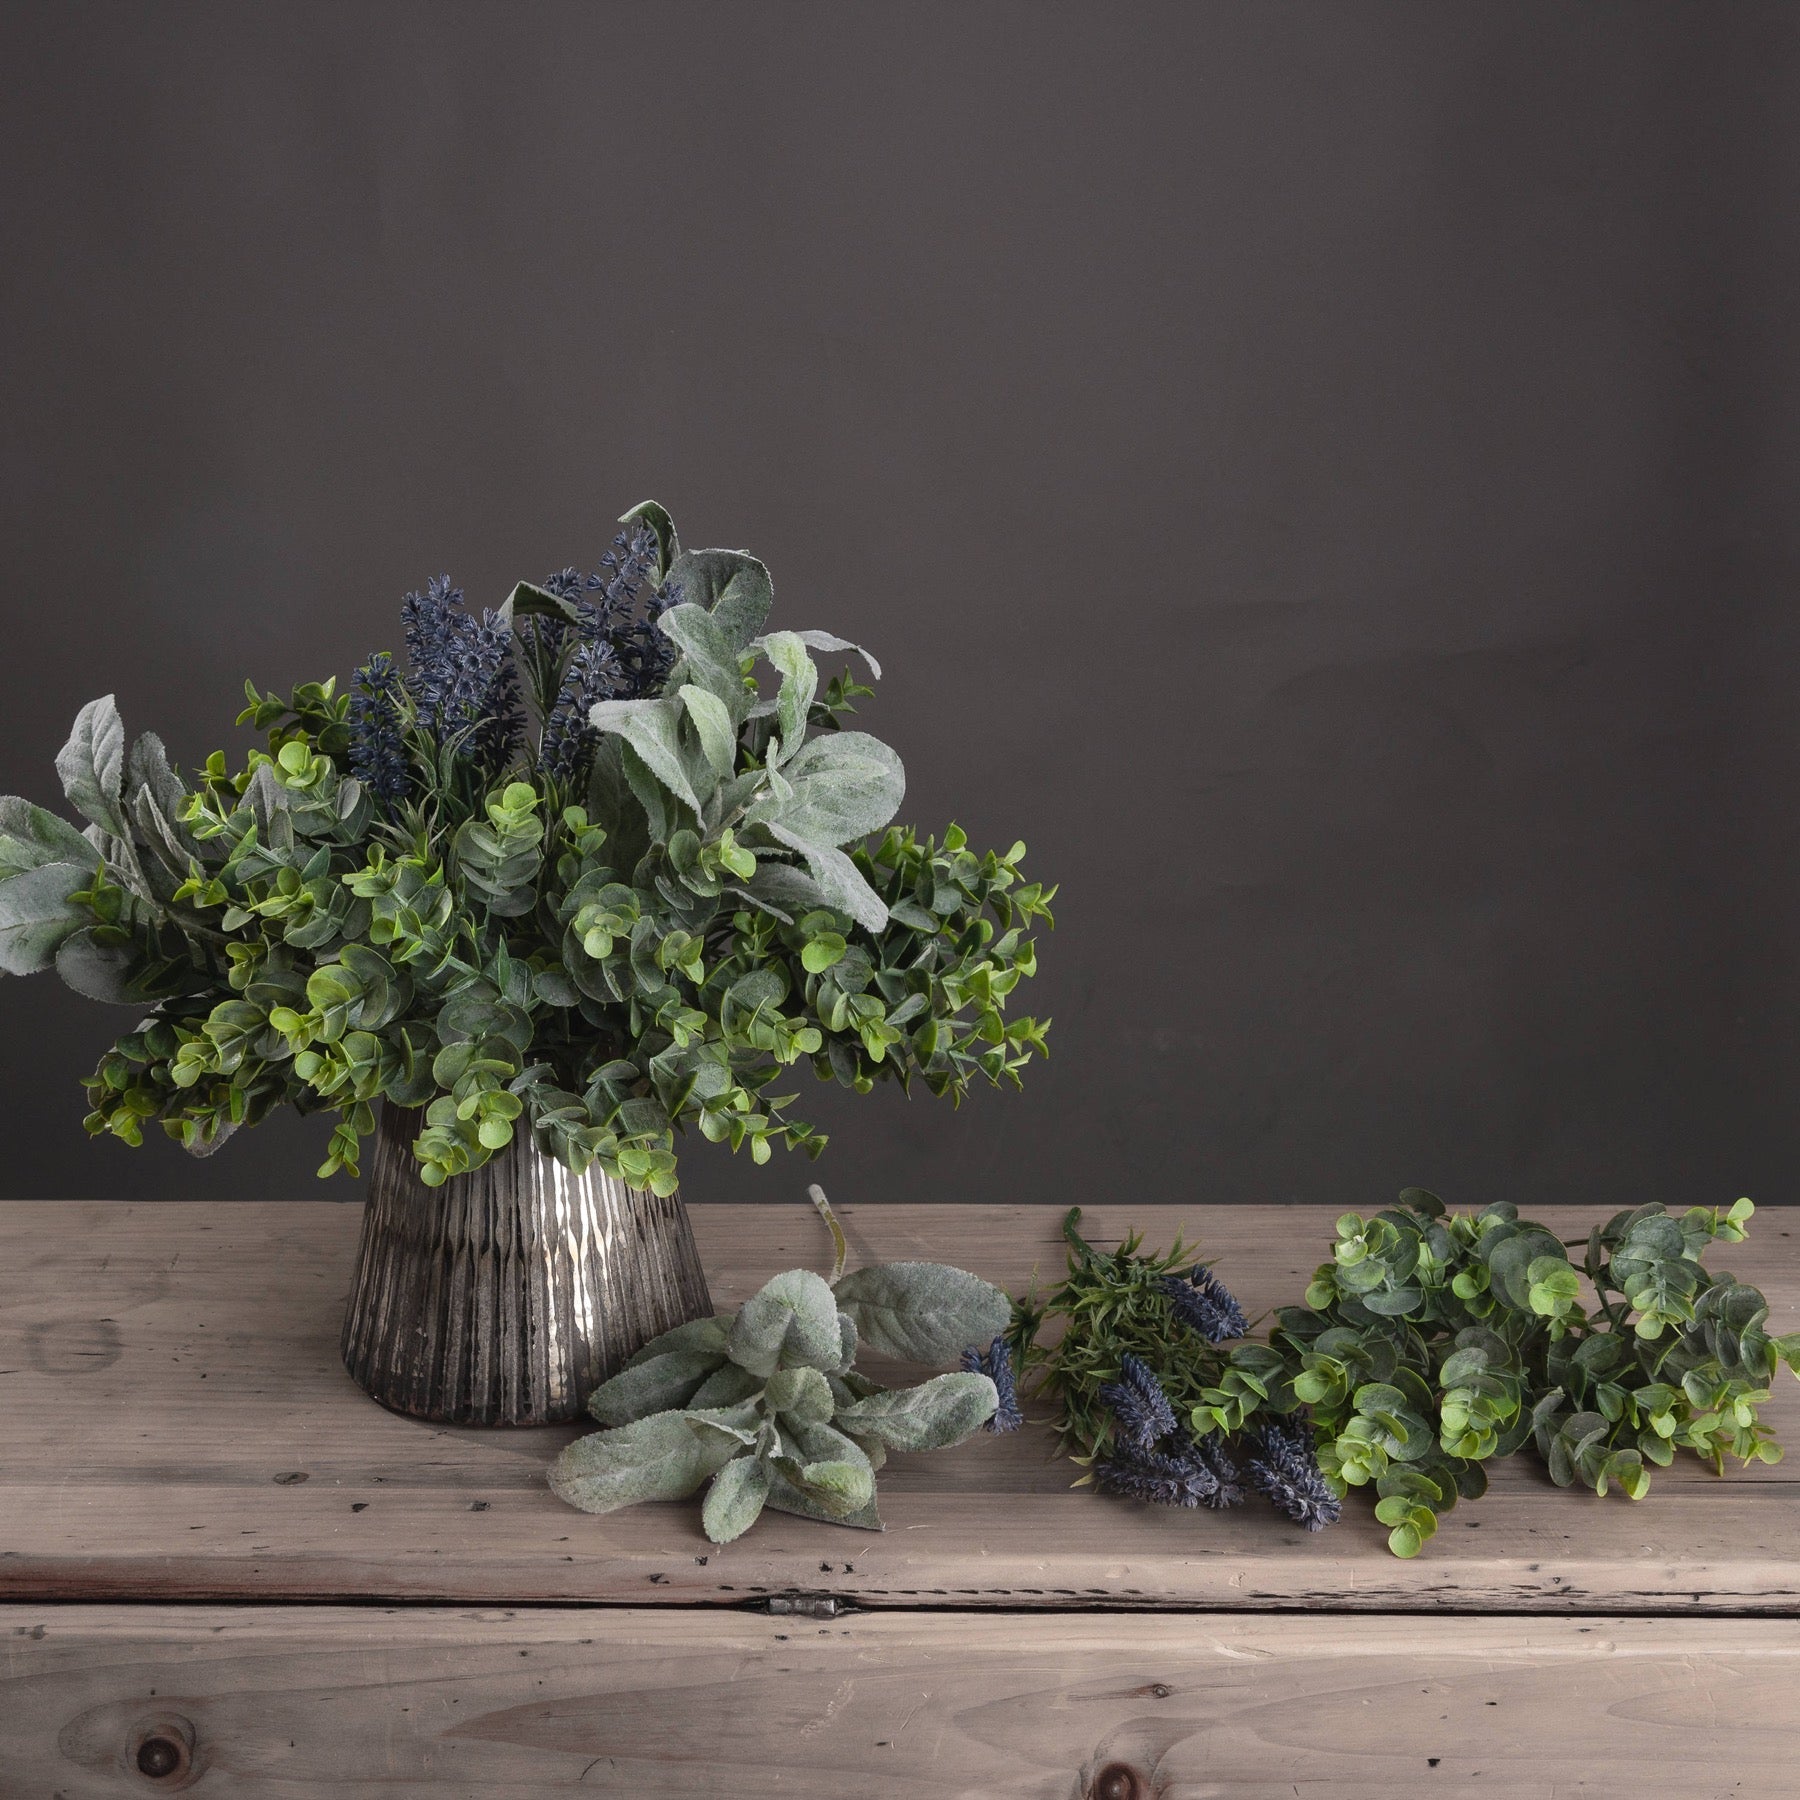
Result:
<point x="601" y="865"/>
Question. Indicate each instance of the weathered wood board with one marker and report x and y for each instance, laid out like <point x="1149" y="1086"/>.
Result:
<point x="175" y="1430"/>
<point x="365" y="1703"/>
<point x="175" y="1426"/>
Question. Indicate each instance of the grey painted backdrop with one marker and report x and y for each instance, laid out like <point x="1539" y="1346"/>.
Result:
<point x="1322" y="474"/>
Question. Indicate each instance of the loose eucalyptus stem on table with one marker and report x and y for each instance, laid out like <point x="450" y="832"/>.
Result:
<point x="1433" y="1343"/>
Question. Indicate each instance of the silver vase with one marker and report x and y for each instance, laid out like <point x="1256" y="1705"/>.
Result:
<point x="506" y="1296"/>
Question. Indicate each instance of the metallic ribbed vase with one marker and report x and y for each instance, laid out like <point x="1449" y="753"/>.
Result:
<point x="506" y="1296"/>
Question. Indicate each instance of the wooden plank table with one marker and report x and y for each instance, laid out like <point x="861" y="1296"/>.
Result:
<point x="222" y="1567"/>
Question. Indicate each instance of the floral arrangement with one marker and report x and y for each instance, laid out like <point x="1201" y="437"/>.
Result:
<point x="1430" y="1344"/>
<point x="765" y="1406"/>
<point x="603" y="864"/>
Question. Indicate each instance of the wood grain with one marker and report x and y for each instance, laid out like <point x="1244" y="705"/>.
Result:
<point x="174" y="1425"/>
<point x="360" y="1704"/>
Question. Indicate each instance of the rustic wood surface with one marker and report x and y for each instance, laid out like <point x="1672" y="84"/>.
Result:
<point x="175" y="1426"/>
<point x="357" y="1704"/>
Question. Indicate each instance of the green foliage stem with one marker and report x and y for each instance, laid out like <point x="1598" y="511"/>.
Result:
<point x="1433" y="1343"/>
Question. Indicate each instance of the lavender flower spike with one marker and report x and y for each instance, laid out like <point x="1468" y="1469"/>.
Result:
<point x="623" y="570"/>
<point x="568" y="740"/>
<point x="1140" y="1409"/>
<point x="501" y="721"/>
<point x="1230" y="1491"/>
<point x="377" y="750"/>
<point x="996" y="1364"/>
<point x="434" y="622"/>
<point x="1182" y="1479"/>
<point x="1286" y="1470"/>
<point x="1205" y="1304"/>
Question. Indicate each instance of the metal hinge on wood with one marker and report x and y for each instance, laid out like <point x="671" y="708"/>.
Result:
<point x="803" y="1606"/>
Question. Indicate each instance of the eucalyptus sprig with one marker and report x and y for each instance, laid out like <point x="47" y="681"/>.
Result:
<point x="1433" y="1343"/>
<point x="767" y="1406"/>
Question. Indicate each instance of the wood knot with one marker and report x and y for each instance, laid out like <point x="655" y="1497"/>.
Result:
<point x="159" y="1758"/>
<point x="1120" y="1781"/>
<point x="163" y="1750"/>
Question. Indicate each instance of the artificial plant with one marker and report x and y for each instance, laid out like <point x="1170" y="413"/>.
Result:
<point x="1434" y="1342"/>
<point x="765" y="1406"/>
<point x="601" y="864"/>
<point x="1126" y="1346"/>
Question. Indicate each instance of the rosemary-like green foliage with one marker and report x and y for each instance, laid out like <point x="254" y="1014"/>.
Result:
<point x="1137" y="1354"/>
<point x="1112" y="1304"/>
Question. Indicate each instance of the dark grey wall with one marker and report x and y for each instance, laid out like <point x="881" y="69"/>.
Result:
<point x="1322" y="474"/>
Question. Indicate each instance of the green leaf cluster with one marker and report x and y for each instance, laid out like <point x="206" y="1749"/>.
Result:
<point x="722" y="898"/>
<point x="1432" y="1343"/>
<point x="767" y="1406"/>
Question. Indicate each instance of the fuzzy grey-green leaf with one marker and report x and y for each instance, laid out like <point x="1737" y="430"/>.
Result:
<point x="785" y="1497"/>
<point x="828" y="1469"/>
<point x="30" y="837"/>
<point x="923" y="1312"/>
<point x="653" y="1386"/>
<point x="742" y="1422"/>
<point x="784" y="890"/>
<point x="931" y="1416"/>
<point x="662" y="1457"/>
<point x="731" y="584"/>
<point x="696" y="1334"/>
<point x="829" y="640"/>
<point x="712" y="722"/>
<point x="845" y="784"/>
<point x="727" y="1385"/>
<point x="803" y="1394"/>
<point x="791" y="1322"/>
<point x="838" y="879"/>
<point x="92" y="764"/>
<point x="799" y="682"/>
<point x="708" y="661"/>
<point x="653" y="729"/>
<point x="839" y="1487"/>
<point x="36" y="915"/>
<point x="735" y="1500"/>
<point x="97" y="971"/>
